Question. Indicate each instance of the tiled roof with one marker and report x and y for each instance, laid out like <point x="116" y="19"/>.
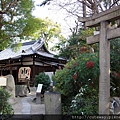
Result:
<point x="9" y="53"/>
<point x="27" y="48"/>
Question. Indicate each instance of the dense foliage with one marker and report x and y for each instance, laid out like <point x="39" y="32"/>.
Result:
<point x="44" y="79"/>
<point x="75" y="44"/>
<point x="13" y="18"/>
<point x="85" y="102"/>
<point x="115" y="67"/>
<point x="5" y="108"/>
<point x="81" y="73"/>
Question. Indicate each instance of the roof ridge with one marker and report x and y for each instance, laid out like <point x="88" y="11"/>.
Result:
<point x="37" y="45"/>
<point x="29" y="43"/>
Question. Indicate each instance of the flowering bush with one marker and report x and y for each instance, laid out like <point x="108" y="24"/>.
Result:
<point x="75" y="75"/>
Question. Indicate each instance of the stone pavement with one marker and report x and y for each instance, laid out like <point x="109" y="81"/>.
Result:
<point x="27" y="105"/>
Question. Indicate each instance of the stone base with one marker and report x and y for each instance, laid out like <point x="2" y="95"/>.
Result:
<point x="21" y="90"/>
<point x="52" y="103"/>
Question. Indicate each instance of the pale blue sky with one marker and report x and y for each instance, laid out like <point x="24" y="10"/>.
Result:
<point x="55" y="16"/>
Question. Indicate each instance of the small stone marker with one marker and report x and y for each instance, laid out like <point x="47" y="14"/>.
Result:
<point x="38" y="94"/>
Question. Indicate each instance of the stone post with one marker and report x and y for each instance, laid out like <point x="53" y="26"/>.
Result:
<point x="52" y="103"/>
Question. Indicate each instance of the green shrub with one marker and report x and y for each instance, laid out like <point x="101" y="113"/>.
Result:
<point x="5" y="108"/>
<point x="44" y="79"/>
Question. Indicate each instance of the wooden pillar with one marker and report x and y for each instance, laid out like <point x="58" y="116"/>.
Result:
<point x="104" y="82"/>
<point x="33" y="70"/>
<point x="1" y="71"/>
<point x="11" y="69"/>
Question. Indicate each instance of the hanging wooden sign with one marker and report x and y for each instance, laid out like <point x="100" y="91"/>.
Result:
<point x="3" y="81"/>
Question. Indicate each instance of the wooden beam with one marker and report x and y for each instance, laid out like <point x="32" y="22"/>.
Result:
<point x="108" y="15"/>
<point x="93" y="39"/>
<point x="111" y="34"/>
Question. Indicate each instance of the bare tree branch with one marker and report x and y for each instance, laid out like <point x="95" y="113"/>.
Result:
<point x="87" y="4"/>
<point x="115" y="2"/>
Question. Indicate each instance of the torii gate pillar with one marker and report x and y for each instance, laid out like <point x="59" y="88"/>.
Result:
<point x="104" y="61"/>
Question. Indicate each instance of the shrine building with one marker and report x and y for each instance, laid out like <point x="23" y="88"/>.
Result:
<point x="31" y="59"/>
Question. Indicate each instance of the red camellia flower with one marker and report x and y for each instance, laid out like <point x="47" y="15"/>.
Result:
<point x="90" y="64"/>
<point x="75" y="75"/>
<point x="83" y="49"/>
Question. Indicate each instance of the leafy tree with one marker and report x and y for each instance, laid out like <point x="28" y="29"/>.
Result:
<point x="75" y="44"/>
<point x="13" y="18"/>
<point x="17" y="23"/>
<point x="42" y="28"/>
<point x="44" y="79"/>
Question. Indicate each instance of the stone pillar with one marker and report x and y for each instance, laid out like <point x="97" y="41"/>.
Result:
<point x="10" y="88"/>
<point x="52" y="103"/>
<point x="104" y="82"/>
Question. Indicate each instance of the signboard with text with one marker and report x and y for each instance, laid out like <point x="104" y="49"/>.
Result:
<point x="3" y="81"/>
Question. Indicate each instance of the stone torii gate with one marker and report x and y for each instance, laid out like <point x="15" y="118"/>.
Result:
<point x="103" y="20"/>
